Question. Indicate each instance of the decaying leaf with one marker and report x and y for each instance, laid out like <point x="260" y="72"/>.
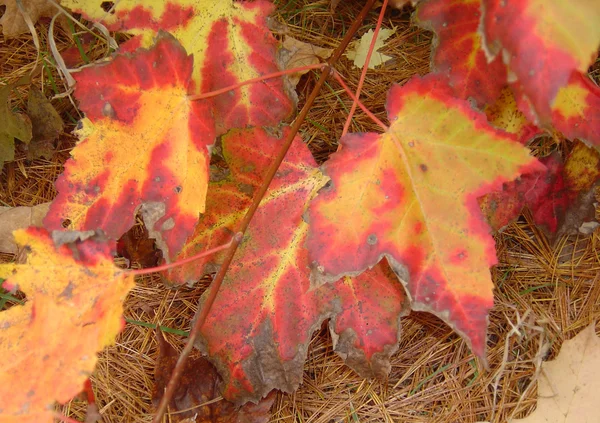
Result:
<point x="505" y="114"/>
<point x="457" y="49"/>
<point x="542" y="43"/>
<point x="81" y="296"/>
<point x="12" y="125"/>
<point x="138" y="248"/>
<point x="47" y="125"/>
<point x="236" y="45"/>
<point x="297" y="53"/>
<point x="13" y="23"/>
<point x="144" y="145"/>
<point x="201" y="384"/>
<point x="13" y="218"/>
<point x="258" y="331"/>
<point x="357" y="51"/>
<point x="561" y="198"/>
<point x="411" y="195"/>
<point x="568" y="386"/>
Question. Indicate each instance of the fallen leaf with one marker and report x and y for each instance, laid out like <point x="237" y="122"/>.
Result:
<point x="505" y="114"/>
<point x="576" y="109"/>
<point x="201" y="384"/>
<point x="138" y="248"/>
<point x="13" y="218"/>
<point x="457" y="52"/>
<point x="411" y="195"/>
<point x="144" y="145"/>
<point x="561" y="198"/>
<point x="568" y="386"/>
<point x="297" y="53"/>
<point x="235" y="45"/>
<point x="12" y="125"/>
<point x="357" y="51"/>
<point x="13" y="23"/>
<point x="81" y="297"/>
<point x="258" y="330"/>
<point x="47" y="125"/>
<point x="542" y="43"/>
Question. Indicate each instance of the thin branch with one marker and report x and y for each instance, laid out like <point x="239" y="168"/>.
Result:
<point x="149" y="270"/>
<point x="257" y="79"/>
<point x="359" y="103"/>
<point x="365" y="68"/>
<point x="203" y="311"/>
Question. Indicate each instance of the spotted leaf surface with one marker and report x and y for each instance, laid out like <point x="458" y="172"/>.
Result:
<point x="505" y="114"/>
<point x="576" y="109"/>
<point x="458" y="54"/>
<point x="258" y="331"/>
<point x="411" y="196"/>
<point x="82" y="298"/>
<point x="543" y="43"/>
<point x="144" y="145"/>
<point x="229" y="41"/>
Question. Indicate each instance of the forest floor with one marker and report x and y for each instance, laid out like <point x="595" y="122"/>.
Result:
<point x="546" y="292"/>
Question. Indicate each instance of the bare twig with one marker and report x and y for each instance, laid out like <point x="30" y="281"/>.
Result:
<point x="365" y="68"/>
<point x="216" y="284"/>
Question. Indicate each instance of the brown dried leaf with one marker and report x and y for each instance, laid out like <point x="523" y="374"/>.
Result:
<point x="12" y="21"/>
<point x="47" y="125"/>
<point x="297" y="53"/>
<point x="13" y="218"/>
<point x="200" y="384"/>
<point x="568" y="387"/>
<point x="136" y="246"/>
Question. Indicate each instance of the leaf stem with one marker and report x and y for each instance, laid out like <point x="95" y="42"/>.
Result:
<point x="203" y="311"/>
<point x="365" y="67"/>
<point x="257" y="79"/>
<point x="167" y="266"/>
<point x="359" y="103"/>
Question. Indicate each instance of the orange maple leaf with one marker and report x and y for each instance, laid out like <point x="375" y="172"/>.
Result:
<point x="230" y="42"/>
<point x="144" y="146"/>
<point x="410" y="195"/>
<point x="74" y="305"/>
<point x="543" y="43"/>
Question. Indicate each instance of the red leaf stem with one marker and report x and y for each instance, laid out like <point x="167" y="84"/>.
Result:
<point x="214" y="289"/>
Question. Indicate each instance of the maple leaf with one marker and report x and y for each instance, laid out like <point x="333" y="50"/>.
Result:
<point x="229" y="41"/>
<point x="568" y="386"/>
<point x="357" y="52"/>
<point x="561" y="198"/>
<point x="542" y="43"/>
<point x="200" y="384"/>
<point x="457" y="49"/>
<point x="144" y="145"/>
<point x="258" y="330"/>
<point x="12" y="125"/>
<point x="505" y="114"/>
<point x="410" y="195"/>
<point x="82" y="298"/>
